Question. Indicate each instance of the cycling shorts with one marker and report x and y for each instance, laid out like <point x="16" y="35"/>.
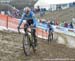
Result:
<point x="29" y="22"/>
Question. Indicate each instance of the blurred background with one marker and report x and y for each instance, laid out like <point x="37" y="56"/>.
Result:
<point x="47" y="9"/>
<point x="17" y="3"/>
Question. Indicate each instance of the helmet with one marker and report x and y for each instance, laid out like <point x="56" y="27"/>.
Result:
<point x="14" y="8"/>
<point x="27" y="10"/>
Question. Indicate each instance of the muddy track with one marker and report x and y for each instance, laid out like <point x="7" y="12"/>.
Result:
<point x="11" y="49"/>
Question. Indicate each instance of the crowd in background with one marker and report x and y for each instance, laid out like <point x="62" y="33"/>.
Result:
<point x="55" y="22"/>
<point x="49" y="21"/>
<point x="16" y="13"/>
<point x="13" y="12"/>
<point x="67" y="25"/>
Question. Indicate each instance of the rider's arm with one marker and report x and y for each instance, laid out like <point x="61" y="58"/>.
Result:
<point x="34" y="18"/>
<point x="22" y="18"/>
<point x="33" y="15"/>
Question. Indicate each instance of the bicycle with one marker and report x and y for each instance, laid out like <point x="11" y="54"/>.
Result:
<point x="50" y="35"/>
<point x="29" y="40"/>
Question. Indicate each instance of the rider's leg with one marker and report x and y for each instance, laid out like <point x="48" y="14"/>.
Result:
<point x="34" y="32"/>
<point x="25" y="27"/>
<point x="30" y="22"/>
<point x="35" y="37"/>
<point x="52" y="35"/>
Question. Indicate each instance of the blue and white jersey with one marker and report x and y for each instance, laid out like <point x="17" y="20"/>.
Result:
<point x="31" y="15"/>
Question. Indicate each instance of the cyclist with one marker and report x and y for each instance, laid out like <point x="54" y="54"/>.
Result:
<point x="50" y="28"/>
<point x="29" y="16"/>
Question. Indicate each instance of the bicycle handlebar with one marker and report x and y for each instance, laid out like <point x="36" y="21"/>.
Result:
<point x="25" y="27"/>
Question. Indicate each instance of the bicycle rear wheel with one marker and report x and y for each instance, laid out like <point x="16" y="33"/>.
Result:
<point x="26" y="45"/>
<point x="33" y="44"/>
<point x="34" y="41"/>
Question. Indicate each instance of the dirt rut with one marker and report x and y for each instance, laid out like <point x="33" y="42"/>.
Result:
<point x="11" y="49"/>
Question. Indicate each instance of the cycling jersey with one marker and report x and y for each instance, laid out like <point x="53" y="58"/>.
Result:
<point x="30" y="16"/>
<point x="50" y="27"/>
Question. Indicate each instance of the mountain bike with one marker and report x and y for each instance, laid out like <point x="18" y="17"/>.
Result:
<point x="29" y="40"/>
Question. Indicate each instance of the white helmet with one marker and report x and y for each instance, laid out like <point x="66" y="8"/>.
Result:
<point x="27" y="9"/>
<point x="14" y="8"/>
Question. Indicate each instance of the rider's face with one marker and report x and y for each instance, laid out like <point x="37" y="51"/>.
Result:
<point x="27" y="11"/>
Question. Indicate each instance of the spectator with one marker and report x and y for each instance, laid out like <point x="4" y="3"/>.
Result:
<point x="8" y="13"/>
<point x="71" y="25"/>
<point x="40" y="21"/>
<point x="66" y="25"/>
<point x="38" y="8"/>
<point x="15" y="12"/>
<point x="62" y="24"/>
<point x="52" y="22"/>
<point x="44" y="21"/>
<point x="56" y="23"/>
<point x="42" y="12"/>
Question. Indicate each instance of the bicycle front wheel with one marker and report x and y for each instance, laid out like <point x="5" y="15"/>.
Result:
<point x="26" y="45"/>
